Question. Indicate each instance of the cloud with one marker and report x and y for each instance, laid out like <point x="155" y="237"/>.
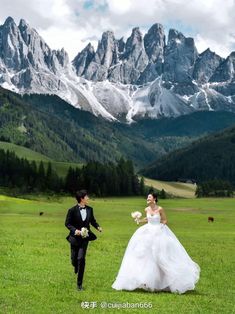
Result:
<point x="73" y="23"/>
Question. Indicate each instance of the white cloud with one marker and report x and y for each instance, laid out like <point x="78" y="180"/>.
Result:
<point x="203" y="43"/>
<point x="73" y="23"/>
<point x="119" y="6"/>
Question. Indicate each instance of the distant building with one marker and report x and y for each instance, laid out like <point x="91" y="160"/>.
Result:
<point x="186" y="180"/>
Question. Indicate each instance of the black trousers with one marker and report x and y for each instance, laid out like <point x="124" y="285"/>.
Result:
<point x="78" y="254"/>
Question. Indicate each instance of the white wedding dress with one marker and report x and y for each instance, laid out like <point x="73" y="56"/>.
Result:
<point x="155" y="260"/>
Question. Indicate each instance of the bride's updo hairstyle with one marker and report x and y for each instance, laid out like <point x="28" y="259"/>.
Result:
<point x="154" y="196"/>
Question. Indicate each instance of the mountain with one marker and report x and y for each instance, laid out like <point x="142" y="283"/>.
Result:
<point x="211" y="157"/>
<point x="122" y="80"/>
<point x="50" y="126"/>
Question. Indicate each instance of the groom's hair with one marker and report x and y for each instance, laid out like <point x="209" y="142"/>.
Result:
<point x="80" y="194"/>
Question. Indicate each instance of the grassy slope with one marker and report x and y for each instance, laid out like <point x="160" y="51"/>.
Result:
<point x="186" y="190"/>
<point x="60" y="167"/>
<point x="24" y="152"/>
<point x="36" y="276"/>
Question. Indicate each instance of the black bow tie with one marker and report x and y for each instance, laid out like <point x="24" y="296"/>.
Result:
<point x="82" y="207"/>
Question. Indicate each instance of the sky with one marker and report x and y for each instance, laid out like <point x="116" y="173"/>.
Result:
<point x="72" y="24"/>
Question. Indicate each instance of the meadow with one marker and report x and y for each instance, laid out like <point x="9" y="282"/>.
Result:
<point x="178" y="189"/>
<point x="36" y="275"/>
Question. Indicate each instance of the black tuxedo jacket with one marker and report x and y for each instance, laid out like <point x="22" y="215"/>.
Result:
<point x="74" y="221"/>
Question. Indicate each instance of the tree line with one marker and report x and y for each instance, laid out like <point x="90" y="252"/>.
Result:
<point x="110" y="179"/>
<point x="214" y="188"/>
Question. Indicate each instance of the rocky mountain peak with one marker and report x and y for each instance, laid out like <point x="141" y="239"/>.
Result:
<point x="83" y="59"/>
<point x="135" y="41"/>
<point x="225" y="72"/>
<point x="205" y="66"/>
<point x="23" y="24"/>
<point x="174" y="35"/>
<point x="142" y="76"/>
<point x="154" y="42"/>
<point x="106" y="53"/>
<point x="180" y="55"/>
<point x="121" y="45"/>
<point x="9" y="21"/>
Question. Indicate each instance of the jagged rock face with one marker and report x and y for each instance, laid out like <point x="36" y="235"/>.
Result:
<point x="134" y="50"/>
<point x="121" y="46"/>
<point x="24" y="51"/>
<point x="83" y="59"/>
<point x="154" y="42"/>
<point x="179" y="58"/>
<point x="121" y="80"/>
<point x="134" y="60"/>
<point x="105" y="57"/>
<point x="21" y="47"/>
<point x="116" y="60"/>
<point x="223" y="80"/>
<point x="12" y="55"/>
<point x="205" y="66"/>
<point x="139" y="60"/>
<point x="226" y="71"/>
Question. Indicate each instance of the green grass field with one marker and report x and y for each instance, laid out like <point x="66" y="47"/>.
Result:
<point x="36" y="275"/>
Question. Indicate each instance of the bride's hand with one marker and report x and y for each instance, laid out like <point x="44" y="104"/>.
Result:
<point x="141" y="220"/>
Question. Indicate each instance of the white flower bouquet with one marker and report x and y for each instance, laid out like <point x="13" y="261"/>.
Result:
<point x="84" y="232"/>
<point x="136" y="215"/>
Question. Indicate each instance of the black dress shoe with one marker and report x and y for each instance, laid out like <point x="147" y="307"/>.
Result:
<point x="80" y="288"/>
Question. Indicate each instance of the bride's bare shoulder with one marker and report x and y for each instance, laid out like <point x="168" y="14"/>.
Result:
<point x="146" y="209"/>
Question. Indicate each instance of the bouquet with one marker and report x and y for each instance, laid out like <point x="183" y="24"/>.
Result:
<point x="84" y="232"/>
<point x="136" y="215"/>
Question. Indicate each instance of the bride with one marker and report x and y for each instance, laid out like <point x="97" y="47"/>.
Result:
<point x="154" y="259"/>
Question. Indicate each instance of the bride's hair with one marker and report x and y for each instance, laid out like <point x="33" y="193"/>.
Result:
<point x="154" y="196"/>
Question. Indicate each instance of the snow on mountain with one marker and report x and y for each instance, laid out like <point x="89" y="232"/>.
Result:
<point x="121" y="81"/>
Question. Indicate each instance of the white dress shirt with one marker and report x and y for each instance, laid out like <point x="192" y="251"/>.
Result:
<point x="83" y="213"/>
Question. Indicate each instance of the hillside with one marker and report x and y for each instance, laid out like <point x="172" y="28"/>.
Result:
<point x="24" y="152"/>
<point x="50" y="126"/>
<point x="61" y="168"/>
<point x="211" y="157"/>
<point x="178" y="189"/>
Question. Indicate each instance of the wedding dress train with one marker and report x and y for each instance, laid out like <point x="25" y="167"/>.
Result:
<point x="155" y="260"/>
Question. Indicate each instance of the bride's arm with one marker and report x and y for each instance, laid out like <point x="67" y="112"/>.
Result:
<point x="163" y="216"/>
<point x="143" y="220"/>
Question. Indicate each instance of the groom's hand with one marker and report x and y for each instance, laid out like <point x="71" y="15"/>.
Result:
<point x="77" y="232"/>
<point x="99" y="229"/>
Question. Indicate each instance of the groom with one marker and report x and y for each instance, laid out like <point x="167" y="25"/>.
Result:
<point x="78" y="217"/>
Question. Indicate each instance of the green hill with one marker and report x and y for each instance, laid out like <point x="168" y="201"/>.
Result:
<point x="211" y="157"/>
<point x="178" y="189"/>
<point x="24" y="152"/>
<point x="52" y="127"/>
<point x="61" y="168"/>
<point x="48" y="125"/>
